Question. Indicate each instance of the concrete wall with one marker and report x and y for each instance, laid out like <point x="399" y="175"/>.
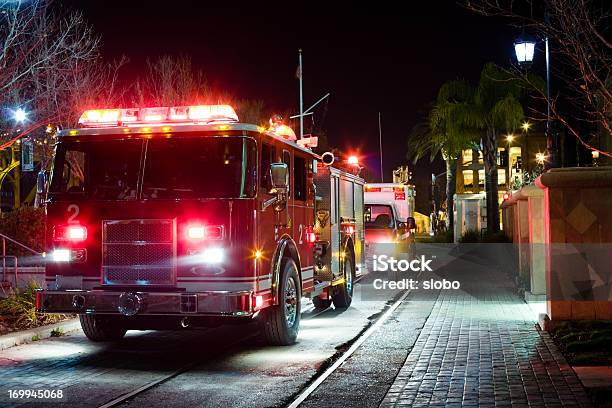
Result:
<point x="25" y="275"/>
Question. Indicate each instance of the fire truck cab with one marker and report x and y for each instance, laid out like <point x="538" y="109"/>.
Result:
<point x="170" y="217"/>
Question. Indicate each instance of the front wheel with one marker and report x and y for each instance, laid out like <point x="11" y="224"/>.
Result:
<point x="281" y="323"/>
<point x="101" y="329"/>
<point x="344" y="294"/>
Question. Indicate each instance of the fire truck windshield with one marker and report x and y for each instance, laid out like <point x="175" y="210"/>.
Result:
<point x="173" y="168"/>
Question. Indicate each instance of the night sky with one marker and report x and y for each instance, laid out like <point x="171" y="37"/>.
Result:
<point x="375" y="58"/>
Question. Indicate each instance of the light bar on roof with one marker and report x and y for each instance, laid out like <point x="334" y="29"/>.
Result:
<point x="158" y="115"/>
<point x="101" y="117"/>
<point x="216" y="113"/>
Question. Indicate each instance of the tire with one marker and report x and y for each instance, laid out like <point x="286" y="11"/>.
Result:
<point x="101" y="329"/>
<point x="281" y="323"/>
<point x="344" y="295"/>
<point x="321" y="304"/>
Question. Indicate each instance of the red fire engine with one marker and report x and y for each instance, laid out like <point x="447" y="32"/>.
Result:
<point x="161" y="218"/>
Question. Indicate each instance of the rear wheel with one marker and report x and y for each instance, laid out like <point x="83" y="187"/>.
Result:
<point x="101" y="329"/>
<point x="281" y="323"/>
<point x="344" y="295"/>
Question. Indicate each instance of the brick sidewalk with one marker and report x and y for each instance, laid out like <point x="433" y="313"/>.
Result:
<point x="481" y="347"/>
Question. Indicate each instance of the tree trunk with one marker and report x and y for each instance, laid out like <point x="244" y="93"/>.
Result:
<point x="451" y="188"/>
<point x="489" y="152"/>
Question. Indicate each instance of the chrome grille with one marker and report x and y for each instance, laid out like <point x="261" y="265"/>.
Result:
<point x="138" y="252"/>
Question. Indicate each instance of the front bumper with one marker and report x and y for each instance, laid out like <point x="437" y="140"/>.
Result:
<point x="146" y="303"/>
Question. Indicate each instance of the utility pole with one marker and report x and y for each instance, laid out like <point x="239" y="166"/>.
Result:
<point x="382" y="178"/>
<point x="300" y="72"/>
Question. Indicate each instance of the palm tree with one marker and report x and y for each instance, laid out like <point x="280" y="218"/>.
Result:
<point x="493" y="108"/>
<point x="443" y="133"/>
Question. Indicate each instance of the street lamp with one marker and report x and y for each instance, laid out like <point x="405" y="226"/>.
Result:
<point x="526" y="126"/>
<point x="20" y="115"/>
<point x="524" y="47"/>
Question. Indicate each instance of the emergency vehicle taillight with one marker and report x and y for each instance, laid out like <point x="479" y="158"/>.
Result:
<point x="350" y="229"/>
<point x="73" y="233"/>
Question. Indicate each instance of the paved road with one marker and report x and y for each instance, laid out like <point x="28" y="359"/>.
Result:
<point x="477" y="346"/>
<point x="228" y="375"/>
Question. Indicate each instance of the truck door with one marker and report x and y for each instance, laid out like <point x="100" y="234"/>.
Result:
<point x="303" y="209"/>
<point x="270" y="224"/>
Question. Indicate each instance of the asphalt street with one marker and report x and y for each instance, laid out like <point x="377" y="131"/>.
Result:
<point x="222" y="366"/>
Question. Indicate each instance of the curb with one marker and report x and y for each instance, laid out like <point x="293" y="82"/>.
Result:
<point x="25" y="336"/>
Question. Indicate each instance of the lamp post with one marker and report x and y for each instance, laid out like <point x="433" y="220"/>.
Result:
<point x="524" y="48"/>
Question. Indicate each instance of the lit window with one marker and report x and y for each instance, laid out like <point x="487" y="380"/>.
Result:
<point x="501" y="176"/>
<point x="481" y="177"/>
<point x="467" y="156"/>
<point x="468" y="178"/>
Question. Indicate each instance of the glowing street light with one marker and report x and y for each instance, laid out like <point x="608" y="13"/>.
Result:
<point x="540" y="158"/>
<point x="524" y="47"/>
<point x="353" y="160"/>
<point x="20" y="115"/>
<point x="510" y="138"/>
<point x="526" y="126"/>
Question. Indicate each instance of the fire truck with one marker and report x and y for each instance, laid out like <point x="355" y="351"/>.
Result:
<point x="177" y="217"/>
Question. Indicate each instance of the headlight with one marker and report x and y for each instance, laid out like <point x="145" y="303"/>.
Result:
<point x="61" y="255"/>
<point x="212" y="255"/>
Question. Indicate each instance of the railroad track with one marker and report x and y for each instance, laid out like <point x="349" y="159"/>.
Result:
<point x="311" y="313"/>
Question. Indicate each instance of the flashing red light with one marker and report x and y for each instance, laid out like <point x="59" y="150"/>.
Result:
<point x="196" y="232"/>
<point x="353" y="160"/>
<point x="101" y="117"/>
<point x="70" y="233"/>
<point x="311" y="236"/>
<point x="506" y="196"/>
<point x="153" y="118"/>
<point x="195" y="113"/>
<point x="350" y="229"/>
<point x="258" y="302"/>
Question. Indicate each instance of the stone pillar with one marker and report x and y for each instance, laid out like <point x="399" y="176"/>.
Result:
<point x="537" y="253"/>
<point x="578" y="239"/>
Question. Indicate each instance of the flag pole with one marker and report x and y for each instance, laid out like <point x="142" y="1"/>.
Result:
<point x="382" y="178"/>
<point x="301" y="98"/>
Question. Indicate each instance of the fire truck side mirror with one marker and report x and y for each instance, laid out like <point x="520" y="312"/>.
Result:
<point x="41" y="182"/>
<point x="280" y="176"/>
<point x="41" y="188"/>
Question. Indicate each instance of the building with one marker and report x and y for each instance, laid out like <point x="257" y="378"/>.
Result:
<point x="516" y="154"/>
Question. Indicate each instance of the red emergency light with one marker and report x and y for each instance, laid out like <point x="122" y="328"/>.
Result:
<point x="399" y="193"/>
<point x="311" y="236"/>
<point x="70" y="233"/>
<point x="158" y="115"/>
<point x="200" y="232"/>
